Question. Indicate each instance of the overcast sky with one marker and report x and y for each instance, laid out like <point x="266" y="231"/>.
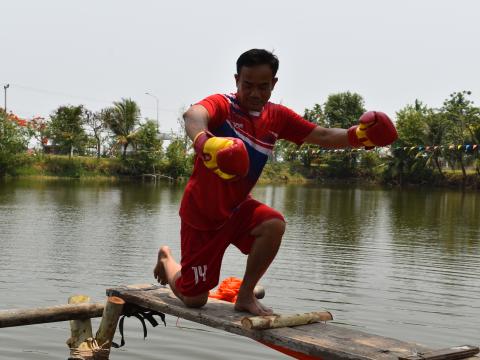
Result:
<point x="95" y="52"/>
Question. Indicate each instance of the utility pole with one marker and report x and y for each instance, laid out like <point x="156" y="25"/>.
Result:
<point x="156" y="98"/>
<point x="5" y="87"/>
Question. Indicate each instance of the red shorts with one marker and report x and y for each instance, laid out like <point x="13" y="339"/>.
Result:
<point x="202" y="251"/>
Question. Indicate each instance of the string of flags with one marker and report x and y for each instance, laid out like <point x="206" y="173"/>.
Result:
<point x="469" y="148"/>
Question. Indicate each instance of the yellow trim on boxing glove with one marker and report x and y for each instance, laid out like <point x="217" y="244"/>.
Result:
<point x="361" y="133"/>
<point x="223" y="175"/>
<point x="211" y="148"/>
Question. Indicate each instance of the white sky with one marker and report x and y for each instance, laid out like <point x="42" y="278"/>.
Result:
<point x="94" y="52"/>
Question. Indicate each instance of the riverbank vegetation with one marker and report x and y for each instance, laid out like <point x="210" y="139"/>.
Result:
<point x="436" y="146"/>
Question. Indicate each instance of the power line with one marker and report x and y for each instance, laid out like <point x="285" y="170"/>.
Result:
<point x="53" y="92"/>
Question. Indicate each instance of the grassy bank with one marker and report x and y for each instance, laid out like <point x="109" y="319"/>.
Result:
<point x="281" y="173"/>
<point x="450" y="179"/>
<point x="79" y="167"/>
<point x="114" y="169"/>
<point x="75" y="167"/>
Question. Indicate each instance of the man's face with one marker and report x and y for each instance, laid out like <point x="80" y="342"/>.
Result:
<point x="254" y="86"/>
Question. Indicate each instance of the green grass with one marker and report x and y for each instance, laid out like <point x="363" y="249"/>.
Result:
<point x="280" y="173"/>
<point x="75" y="167"/>
<point x="109" y="169"/>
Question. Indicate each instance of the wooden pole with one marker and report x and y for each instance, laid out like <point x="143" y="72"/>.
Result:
<point x="19" y="317"/>
<point x="108" y="325"/>
<point x="81" y="341"/>
<point x="277" y="321"/>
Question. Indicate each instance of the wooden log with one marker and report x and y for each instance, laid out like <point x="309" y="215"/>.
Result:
<point x="19" y="317"/>
<point x="278" y="321"/>
<point x="108" y="325"/>
<point x="81" y="341"/>
<point x="452" y="353"/>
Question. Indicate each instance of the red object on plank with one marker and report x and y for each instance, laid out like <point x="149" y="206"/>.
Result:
<point x="292" y="353"/>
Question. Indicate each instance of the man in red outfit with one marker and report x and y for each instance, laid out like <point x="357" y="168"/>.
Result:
<point x="233" y="136"/>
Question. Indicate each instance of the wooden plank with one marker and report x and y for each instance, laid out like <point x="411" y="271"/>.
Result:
<point x="350" y="336"/>
<point x="18" y="317"/>
<point x="325" y="341"/>
<point x="452" y="353"/>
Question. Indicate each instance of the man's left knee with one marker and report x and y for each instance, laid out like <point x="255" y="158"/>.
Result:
<point x="277" y="226"/>
<point x="272" y="227"/>
<point x="196" y="301"/>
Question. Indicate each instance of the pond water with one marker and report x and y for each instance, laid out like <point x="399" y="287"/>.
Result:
<point x="399" y="263"/>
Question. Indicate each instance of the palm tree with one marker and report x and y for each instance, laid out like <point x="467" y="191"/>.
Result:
<point x="122" y="120"/>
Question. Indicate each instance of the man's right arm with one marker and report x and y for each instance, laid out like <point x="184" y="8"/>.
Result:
<point x="196" y="120"/>
<point x="227" y="157"/>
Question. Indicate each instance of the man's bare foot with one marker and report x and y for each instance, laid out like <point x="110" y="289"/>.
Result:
<point x="250" y="304"/>
<point x="159" y="271"/>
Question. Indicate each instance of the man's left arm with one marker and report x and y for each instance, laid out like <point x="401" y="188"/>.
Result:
<point x="374" y="129"/>
<point x="328" y="137"/>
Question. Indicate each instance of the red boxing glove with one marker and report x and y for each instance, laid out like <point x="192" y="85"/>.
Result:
<point x="375" y="129"/>
<point x="225" y="156"/>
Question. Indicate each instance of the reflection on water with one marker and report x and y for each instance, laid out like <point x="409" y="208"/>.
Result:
<point x="401" y="263"/>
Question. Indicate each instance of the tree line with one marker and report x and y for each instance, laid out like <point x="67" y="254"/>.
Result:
<point x="115" y="132"/>
<point x="433" y="142"/>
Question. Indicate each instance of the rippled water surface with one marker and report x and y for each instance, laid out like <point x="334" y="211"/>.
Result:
<point x="400" y="263"/>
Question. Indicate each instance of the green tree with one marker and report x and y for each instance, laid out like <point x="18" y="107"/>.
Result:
<point x="37" y="129"/>
<point x="95" y="124"/>
<point x="182" y="133"/>
<point x="307" y="152"/>
<point x="285" y="150"/>
<point x="409" y="161"/>
<point x="122" y="119"/>
<point x="289" y="151"/>
<point x="13" y="142"/>
<point x="370" y="164"/>
<point x="179" y="162"/>
<point x="66" y="129"/>
<point x="477" y="136"/>
<point x="464" y="118"/>
<point x="411" y="125"/>
<point x="342" y="110"/>
<point x="419" y="128"/>
<point x="435" y="136"/>
<point x="148" y="146"/>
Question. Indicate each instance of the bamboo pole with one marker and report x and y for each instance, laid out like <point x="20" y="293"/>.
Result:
<point x="108" y="325"/>
<point x="277" y="321"/>
<point x="41" y="315"/>
<point x="81" y="341"/>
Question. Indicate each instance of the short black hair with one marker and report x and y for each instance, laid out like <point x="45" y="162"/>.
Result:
<point x="255" y="57"/>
